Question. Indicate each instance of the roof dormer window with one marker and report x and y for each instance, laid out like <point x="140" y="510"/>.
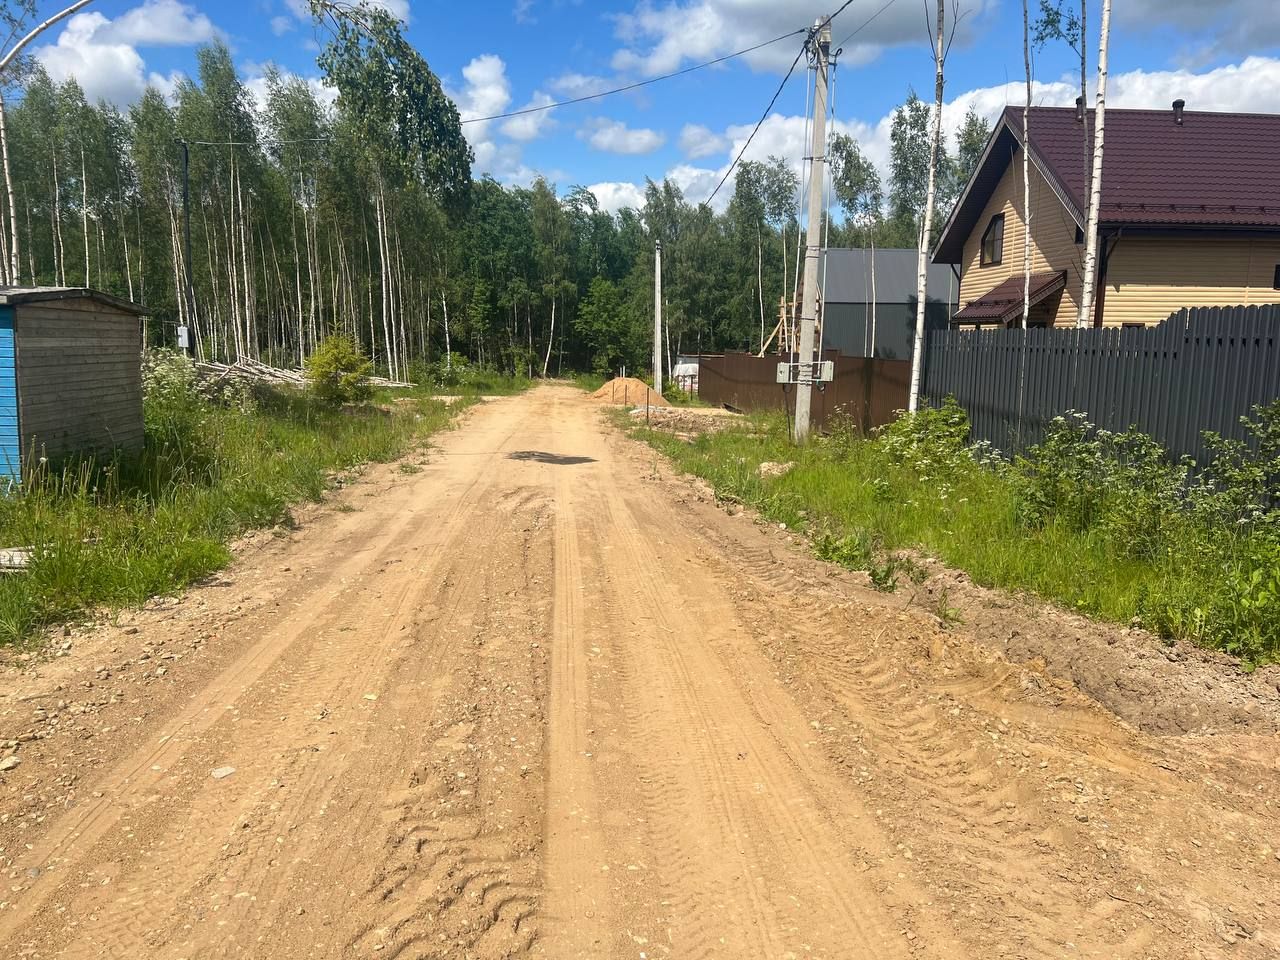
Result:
<point x="993" y="241"/>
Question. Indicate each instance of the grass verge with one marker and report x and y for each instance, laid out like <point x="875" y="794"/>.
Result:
<point x="1096" y="522"/>
<point x="115" y="533"/>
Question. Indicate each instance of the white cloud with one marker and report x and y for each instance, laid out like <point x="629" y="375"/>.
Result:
<point x="521" y="11"/>
<point x="614" y="136"/>
<point x="697" y="141"/>
<point x="281" y="25"/>
<point x="572" y="85"/>
<point x="1223" y="26"/>
<point x="530" y="126"/>
<point x="486" y="92"/>
<point x="102" y="54"/>
<point x="158" y="23"/>
<point x="1253" y="85"/>
<point x="661" y="38"/>
<point x="617" y="195"/>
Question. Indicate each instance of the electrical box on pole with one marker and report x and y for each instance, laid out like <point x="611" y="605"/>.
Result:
<point x="820" y="53"/>
<point x="657" y="317"/>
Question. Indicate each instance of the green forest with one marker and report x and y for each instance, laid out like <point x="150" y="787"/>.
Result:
<point x="363" y="218"/>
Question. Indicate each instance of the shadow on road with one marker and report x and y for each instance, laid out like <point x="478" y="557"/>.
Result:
<point x="541" y="456"/>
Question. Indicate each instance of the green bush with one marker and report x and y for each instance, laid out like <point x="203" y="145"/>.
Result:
<point x="338" y="372"/>
<point x="1104" y="523"/>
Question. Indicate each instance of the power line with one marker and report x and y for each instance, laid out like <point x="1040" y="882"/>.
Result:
<point x="777" y="93"/>
<point x="631" y="86"/>
<point x="866" y="23"/>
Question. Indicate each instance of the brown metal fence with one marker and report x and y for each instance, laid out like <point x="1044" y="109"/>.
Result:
<point x="866" y="390"/>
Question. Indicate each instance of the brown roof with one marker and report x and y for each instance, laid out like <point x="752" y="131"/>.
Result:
<point x="1004" y="301"/>
<point x="12" y="296"/>
<point x="1214" y="171"/>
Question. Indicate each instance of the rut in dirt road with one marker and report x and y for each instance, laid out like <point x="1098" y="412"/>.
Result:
<point x="536" y="700"/>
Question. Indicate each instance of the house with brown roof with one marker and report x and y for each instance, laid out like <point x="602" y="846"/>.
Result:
<point x="1189" y="216"/>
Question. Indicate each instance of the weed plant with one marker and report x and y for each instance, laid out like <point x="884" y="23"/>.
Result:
<point x="117" y="531"/>
<point x="1104" y="523"/>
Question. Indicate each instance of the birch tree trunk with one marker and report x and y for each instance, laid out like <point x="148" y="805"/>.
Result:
<point x="926" y="228"/>
<point x="760" y="283"/>
<point x="873" y="295"/>
<point x="448" y="347"/>
<point x="1026" y="173"/>
<point x="15" y="260"/>
<point x="297" y="280"/>
<point x="84" y="214"/>
<point x="1095" y="181"/>
<point x="551" y="337"/>
<point x="60" y="253"/>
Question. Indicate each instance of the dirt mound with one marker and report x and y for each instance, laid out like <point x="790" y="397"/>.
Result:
<point x="629" y="391"/>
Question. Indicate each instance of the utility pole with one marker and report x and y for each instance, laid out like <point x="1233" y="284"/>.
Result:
<point x="657" y="317"/>
<point x="186" y="227"/>
<point x="821" y="53"/>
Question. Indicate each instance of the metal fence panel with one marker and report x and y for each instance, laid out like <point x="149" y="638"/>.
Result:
<point x="865" y="390"/>
<point x="1201" y="369"/>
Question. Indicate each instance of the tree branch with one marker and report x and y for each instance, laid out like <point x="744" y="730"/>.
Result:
<point x="17" y="48"/>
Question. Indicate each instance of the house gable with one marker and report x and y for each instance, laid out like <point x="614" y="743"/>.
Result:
<point x="1053" y="241"/>
<point x="1004" y="147"/>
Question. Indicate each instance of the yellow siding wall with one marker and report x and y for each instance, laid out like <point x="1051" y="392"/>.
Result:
<point x="1149" y="278"/>
<point x="1053" y="245"/>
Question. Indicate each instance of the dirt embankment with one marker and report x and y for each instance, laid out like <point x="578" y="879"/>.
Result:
<point x="630" y="392"/>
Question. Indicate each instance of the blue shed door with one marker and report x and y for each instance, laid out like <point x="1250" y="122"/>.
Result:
<point x="10" y="446"/>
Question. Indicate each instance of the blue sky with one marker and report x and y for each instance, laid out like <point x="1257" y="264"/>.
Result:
<point x="503" y="55"/>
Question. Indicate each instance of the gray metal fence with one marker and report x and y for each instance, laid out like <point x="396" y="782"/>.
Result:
<point x="1201" y="369"/>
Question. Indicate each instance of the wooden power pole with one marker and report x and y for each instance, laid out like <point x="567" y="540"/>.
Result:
<point x="813" y="236"/>
<point x="657" y="317"/>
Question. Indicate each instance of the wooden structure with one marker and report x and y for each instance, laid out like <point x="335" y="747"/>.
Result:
<point x="786" y="332"/>
<point x="70" y="375"/>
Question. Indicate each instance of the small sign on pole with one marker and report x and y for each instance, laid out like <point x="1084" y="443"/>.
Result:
<point x="819" y="371"/>
<point x="184" y="339"/>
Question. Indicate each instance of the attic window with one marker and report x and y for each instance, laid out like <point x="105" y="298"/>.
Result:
<point x="993" y="241"/>
<point x="1275" y="284"/>
<point x="1079" y="235"/>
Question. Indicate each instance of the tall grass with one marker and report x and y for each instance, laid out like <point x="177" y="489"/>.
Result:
<point x="462" y="378"/>
<point x="116" y="532"/>
<point x="1101" y="523"/>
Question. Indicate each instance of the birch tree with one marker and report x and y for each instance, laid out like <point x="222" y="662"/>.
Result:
<point x="1026" y="170"/>
<point x="1095" y="178"/>
<point x="926" y="227"/>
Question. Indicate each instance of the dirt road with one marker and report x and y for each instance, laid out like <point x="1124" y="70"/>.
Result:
<point x="526" y="697"/>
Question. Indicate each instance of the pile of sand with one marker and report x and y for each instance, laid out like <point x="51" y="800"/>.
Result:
<point x="629" y="391"/>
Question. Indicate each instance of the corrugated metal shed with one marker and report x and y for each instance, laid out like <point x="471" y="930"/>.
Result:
<point x="70" y="375"/>
<point x="847" y="274"/>
<point x="847" y="316"/>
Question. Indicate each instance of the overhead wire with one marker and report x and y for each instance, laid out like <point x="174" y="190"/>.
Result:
<point x="817" y="29"/>
<point x="866" y="23"/>
<point x="633" y="86"/>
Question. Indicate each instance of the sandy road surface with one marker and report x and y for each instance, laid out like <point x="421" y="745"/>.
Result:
<point x="531" y="699"/>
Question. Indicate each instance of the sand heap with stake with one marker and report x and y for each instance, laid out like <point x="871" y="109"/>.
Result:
<point x="628" y="391"/>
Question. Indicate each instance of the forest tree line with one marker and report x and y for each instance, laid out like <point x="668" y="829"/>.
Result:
<point x="306" y="220"/>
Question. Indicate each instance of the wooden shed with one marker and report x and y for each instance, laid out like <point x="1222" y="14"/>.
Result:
<point x="70" y="374"/>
